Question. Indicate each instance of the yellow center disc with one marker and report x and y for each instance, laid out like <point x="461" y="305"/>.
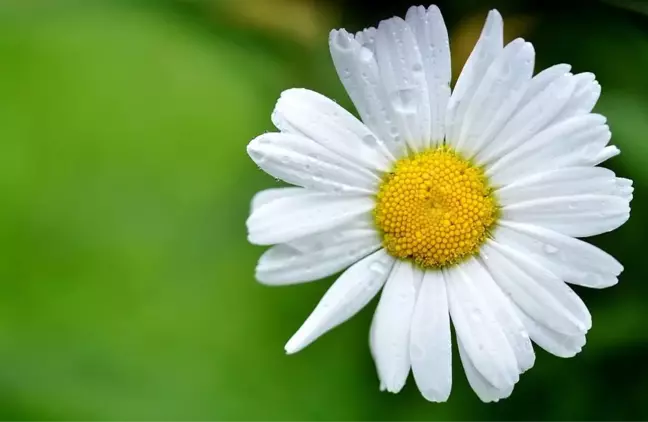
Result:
<point x="435" y="208"/>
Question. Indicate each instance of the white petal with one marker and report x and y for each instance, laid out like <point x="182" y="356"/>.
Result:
<point x="307" y="113"/>
<point x="505" y="315"/>
<point x="560" y="182"/>
<point x="624" y="187"/>
<point x="497" y="96"/>
<point x="266" y="196"/>
<point x="358" y="70"/>
<point x="478" y="329"/>
<point x="432" y="38"/>
<point x="484" y="390"/>
<point x="401" y="71"/>
<point x="578" y="215"/>
<point x="584" y="98"/>
<point x="604" y="155"/>
<point x="538" y="292"/>
<point x="296" y="216"/>
<point x="542" y="80"/>
<point x="348" y="295"/>
<point x="572" y="260"/>
<point x="317" y="256"/>
<point x="556" y="343"/>
<point x="532" y="117"/>
<point x="430" y="342"/>
<point x="390" y="329"/>
<point x="303" y="162"/>
<point x="572" y="142"/>
<point x="488" y="46"/>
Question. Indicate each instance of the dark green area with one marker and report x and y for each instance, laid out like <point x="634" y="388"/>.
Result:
<point x="126" y="281"/>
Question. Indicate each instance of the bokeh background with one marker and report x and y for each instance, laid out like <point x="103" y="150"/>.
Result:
<point x="126" y="282"/>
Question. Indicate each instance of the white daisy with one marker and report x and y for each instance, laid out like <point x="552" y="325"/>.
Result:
<point x="462" y="205"/>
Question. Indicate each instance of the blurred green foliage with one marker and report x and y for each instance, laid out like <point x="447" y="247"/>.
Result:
<point x="126" y="282"/>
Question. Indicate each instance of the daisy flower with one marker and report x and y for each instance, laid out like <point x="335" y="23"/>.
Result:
<point x="461" y="205"/>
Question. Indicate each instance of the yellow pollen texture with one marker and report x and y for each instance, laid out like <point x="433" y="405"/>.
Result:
<point x="435" y="208"/>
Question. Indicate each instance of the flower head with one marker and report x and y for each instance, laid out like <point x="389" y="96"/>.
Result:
<point x="462" y="206"/>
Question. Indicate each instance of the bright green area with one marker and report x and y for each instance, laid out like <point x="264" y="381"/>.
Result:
<point x="126" y="281"/>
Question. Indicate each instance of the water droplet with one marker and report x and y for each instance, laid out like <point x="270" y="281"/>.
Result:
<point x="417" y="67"/>
<point x="284" y="159"/>
<point x="550" y="249"/>
<point x="342" y="40"/>
<point x="377" y="267"/>
<point x="405" y="101"/>
<point x="366" y="55"/>
<point x="370" y="140"/>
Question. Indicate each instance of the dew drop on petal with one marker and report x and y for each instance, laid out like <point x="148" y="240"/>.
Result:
<point x="366" y="55"/>
<point x="370" y="140"/>
<point x="404" y="101"/>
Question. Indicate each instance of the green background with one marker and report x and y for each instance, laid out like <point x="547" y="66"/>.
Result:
<point x="126" y="282"/>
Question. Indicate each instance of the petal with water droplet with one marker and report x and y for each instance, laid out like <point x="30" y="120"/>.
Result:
<point x="348" y="295"/>
<point x="317" y="256"/>
<point x="578" y="216"/>
<point x="573" y="260"/>
<point x="478" y="328"/>
<point x="398" y="54"/>
<point x="432" y="38"/>
<point x="307" y="113"/>
<point x="390" y="328"/>
<point x="293" y="217"/>
<point x="430" y="341"/>
<point x="303" y="162"/>
<point x="536" y="290"/>
<point x="556" y="343"/>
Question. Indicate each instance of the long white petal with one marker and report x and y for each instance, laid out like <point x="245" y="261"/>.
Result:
<point x="390" y="331"/>
<point x="317" y="256"/>
<point x="348" y="295"/>
<point x="488" y="46"/>
<point x="560" y="182"/>
<point x="478" y="329"/>
<point x="537" y="291"/>
<point x="572" y="142"/>
<point x="401" y="71"/>
<point x="292" y="217"/>
<point x="532" y="117"/>
<point x="572" y="260"/>
<point x="303" y="162"/>
<point x="430" y="341"/>
<point x="307" y="113"/>
<point x="480" y="385"/>
<point x="266" y="196"/>
<point x="578" y="216"/>
<point x="556" y="343"/>
<point x="497" y="96"/>
<point x="543" y="80"/>
<point x="604" y="155"/>
<point x="584" y="98"/>
<point x="356" y="65"/>
<point x="432" y="37"/>
<point x="504" y="312"/>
